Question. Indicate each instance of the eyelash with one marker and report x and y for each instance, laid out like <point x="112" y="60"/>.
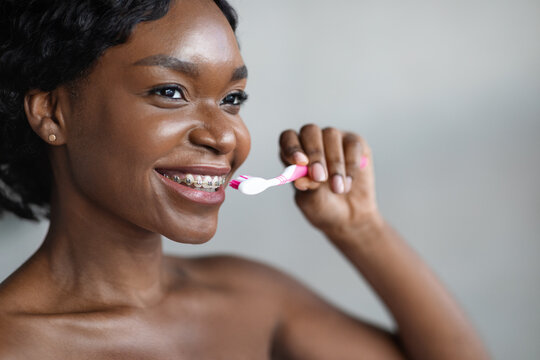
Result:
<point x="160" y="91"/>
<point x="238" y="98"/>
<point x="175" y="92"/>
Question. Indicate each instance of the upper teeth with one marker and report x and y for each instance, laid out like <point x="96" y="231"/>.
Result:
<point x="199" y="181"/>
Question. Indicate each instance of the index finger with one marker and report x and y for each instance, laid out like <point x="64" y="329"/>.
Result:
<point x="291" y="150"/>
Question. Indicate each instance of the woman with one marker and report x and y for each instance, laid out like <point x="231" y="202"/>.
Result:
<point x="103" y="104"/>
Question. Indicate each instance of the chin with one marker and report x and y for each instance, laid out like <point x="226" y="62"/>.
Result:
<point x="198" y="232"/>
<point x="193" y="240"/>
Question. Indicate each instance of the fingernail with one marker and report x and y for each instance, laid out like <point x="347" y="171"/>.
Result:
<point x="300" y="158"/>
<point x="317" y="172"/>
<point x="348" y="184"/>
<point x="363" y="162"/>
<point x="337" y="184"/>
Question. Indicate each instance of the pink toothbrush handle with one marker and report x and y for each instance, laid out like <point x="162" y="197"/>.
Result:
<point x="292" y="173"/>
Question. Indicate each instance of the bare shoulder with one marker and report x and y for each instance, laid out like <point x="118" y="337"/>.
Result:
<point x="13" y="290"/>
<point x="236" y="267"/>
<point x="302" y="315"/>
<point x="15" y="336"/>
<point x="244" y="274"/>
<point x="22" y="296"/>
<point x="13" y="327"/>
<point x="22" y="338"/>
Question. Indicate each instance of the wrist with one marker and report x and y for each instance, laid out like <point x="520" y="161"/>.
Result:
<point x="358" y="233"/>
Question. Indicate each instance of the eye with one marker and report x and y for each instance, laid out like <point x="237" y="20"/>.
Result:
<point x="236" y="98"/>
<point x="173" y="92"/>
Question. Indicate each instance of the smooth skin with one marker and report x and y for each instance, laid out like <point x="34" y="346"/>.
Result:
<point x="100" y="288"/>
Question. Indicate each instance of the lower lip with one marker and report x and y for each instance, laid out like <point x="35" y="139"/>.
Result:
<point x="197" y="196"/>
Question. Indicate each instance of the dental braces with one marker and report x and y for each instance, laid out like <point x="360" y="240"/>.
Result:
<point x="198" y="181"/>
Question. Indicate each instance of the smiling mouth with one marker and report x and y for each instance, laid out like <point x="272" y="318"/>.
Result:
<point x="200" y="182"/>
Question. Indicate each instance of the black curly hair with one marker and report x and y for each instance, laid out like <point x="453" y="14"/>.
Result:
<point x="44" y="44"/>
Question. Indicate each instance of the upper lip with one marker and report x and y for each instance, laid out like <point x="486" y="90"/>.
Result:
<point x="197" y="169"/>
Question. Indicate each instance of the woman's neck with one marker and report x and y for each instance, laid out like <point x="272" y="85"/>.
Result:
<point x="101" y="259"/>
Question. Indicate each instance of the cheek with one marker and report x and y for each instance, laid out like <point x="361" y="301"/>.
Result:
<point x="243" y="144"/>
<point x="111" y="153"/>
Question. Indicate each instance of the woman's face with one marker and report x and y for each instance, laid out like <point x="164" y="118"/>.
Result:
<point x="163" y="105"/>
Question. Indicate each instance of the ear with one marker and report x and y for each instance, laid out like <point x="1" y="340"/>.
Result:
<point x="45" y="116"/>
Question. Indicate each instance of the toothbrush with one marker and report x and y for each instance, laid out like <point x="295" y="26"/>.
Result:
<point x="251" y="185"/>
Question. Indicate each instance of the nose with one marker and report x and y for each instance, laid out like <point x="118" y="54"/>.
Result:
<point x="215" y="132"/>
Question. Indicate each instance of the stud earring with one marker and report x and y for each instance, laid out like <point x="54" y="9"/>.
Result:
<point x="52" y="138"/>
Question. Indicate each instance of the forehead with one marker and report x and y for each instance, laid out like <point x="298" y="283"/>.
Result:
<point x="192" y="30"/>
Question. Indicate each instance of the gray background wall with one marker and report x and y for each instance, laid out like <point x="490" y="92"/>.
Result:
<point x="448" y="95"/>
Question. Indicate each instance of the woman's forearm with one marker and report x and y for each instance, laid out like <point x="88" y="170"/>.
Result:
<point x="430" y="324"/>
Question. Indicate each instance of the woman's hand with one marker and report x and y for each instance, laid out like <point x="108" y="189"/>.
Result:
<point x="338" y="196"/>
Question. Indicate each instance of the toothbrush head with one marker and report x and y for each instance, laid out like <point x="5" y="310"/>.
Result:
<point x="253" y="186"/>
<point x="234" y="184"/>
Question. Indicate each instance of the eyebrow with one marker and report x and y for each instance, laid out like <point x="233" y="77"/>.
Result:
<point x="240" y="73"/>
<point x="185" y="67"/>
<point x="170" y="62"/>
